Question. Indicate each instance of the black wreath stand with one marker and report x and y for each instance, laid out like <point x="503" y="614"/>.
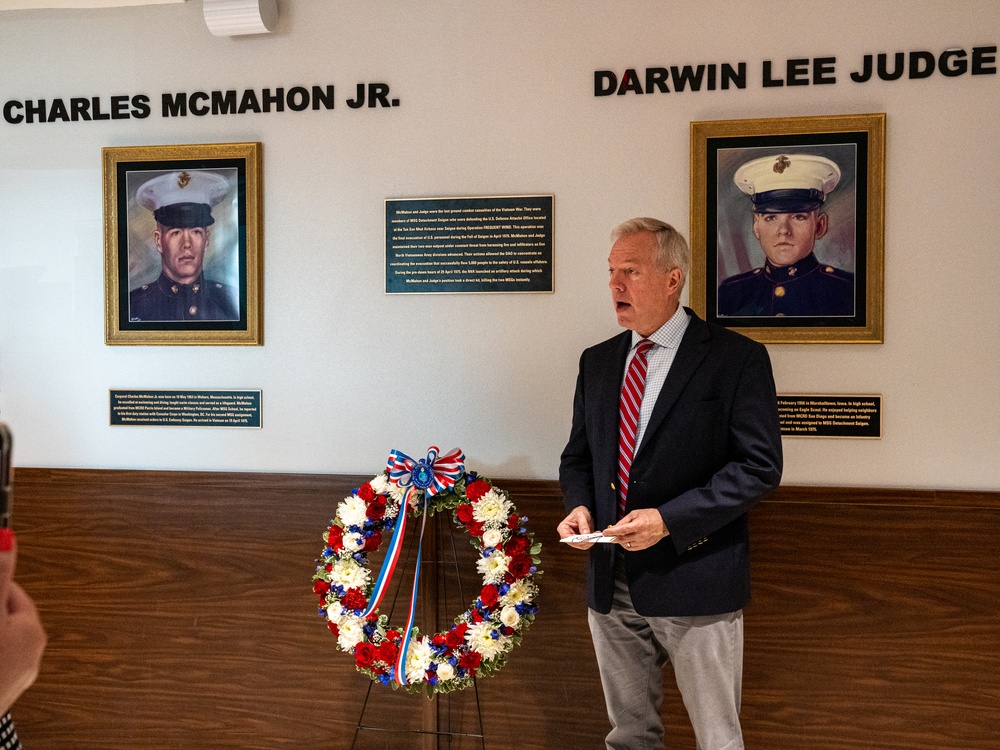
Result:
<point x="448" y="721"/>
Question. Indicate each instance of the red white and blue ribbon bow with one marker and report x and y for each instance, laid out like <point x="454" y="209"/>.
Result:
<point x="434" y="474"/>
<point x="431" y="476"/>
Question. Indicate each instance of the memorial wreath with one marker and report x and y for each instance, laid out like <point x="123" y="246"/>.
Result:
<point x="481" y="637"/>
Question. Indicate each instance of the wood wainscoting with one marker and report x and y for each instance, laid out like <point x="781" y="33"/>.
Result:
<point x="180" y="615"/>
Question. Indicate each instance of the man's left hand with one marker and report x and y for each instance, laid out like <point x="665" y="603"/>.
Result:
<point x="639" y="529"/>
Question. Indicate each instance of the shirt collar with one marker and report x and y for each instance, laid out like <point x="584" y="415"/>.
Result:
<point x="668" y="335"/>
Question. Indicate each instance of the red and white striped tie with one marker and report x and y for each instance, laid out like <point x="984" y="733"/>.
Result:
<point x="628" y="418"/>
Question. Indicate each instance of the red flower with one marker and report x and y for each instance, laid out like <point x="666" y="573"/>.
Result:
<point x="512" y="522"/>
<point x="387" y="652"/>
<point x="464" y="513"/>
<point x="320" y="587"/>
<point x="476" y="528"/>
<point x="375" y="509"/>
<point x="438" y="639"/>
<point x="519" y="566"/>
<point x="335" y="538"/>
<point x="489" y="595"/>
<point x="507" y="631"/>
<point x="366" y="493"/>
<point x="364" y="655"/>
<point x="392" y="635"/>
<point x="455" y="637"/>
<point x="476" y="617"/>
<point x="373" y="542"/>
<point x="517" y="545"/>
<point x="333" y="628"/>
<point x="477" y="489"/>
<point x="353" y="599"/>
<point x="470" y="660"/>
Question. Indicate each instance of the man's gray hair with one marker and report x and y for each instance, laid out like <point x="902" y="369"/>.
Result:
<point x="671" y="248"/>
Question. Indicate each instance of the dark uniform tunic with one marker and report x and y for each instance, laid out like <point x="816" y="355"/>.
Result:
<point x="806" y="288"/>
<point x="165" y="299"/>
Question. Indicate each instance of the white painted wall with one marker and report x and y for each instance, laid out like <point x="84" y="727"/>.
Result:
<point x="496" y="98"/>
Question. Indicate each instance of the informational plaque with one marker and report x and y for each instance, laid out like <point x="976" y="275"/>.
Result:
<point x="140" y="408"/>
<point x="830" y="416"/>
<point x="499" y="244"/>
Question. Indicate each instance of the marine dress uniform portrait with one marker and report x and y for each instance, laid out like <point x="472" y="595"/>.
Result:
<point x="787" y="193"/>
<point x="181" y="203"/>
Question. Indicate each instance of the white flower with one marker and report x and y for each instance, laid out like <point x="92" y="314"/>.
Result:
<point x="391" y="508"/>
<point x="491" y="507"/>
<point x="351" y="632"/>
<point x="416" y="499"/>
<point x="492" y="537"/>
<point x="418" y="659"/>
<point x="351" y="511"/>
<point x="445" y="671"/>
<point x="380" y="484"/>
<point x="519" y="591"/>
<point x="334" y="612"/>
<point x="353" y="542"/>
<point x="480" y="638"/>
<point x="509" y="616"/>
<point x="493" y="567"/>
<point x="349" y="574"/>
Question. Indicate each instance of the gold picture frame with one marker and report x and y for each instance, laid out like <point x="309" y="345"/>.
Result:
<point x="209" y="295"/>
<point x="725" y="246"/>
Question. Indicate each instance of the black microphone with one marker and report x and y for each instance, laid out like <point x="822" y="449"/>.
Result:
<point x="6" y="495"/>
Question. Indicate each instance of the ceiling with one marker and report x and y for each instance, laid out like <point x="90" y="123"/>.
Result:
<point x="34" y="4"/>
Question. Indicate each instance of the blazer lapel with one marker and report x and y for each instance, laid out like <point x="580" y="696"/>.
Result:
<point x="692" y="350"/>
<point x="610" y="395"/>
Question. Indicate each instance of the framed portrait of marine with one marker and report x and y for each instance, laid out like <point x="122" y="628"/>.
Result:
<point x="787" y="227"/>
<point x="182" y="244"/>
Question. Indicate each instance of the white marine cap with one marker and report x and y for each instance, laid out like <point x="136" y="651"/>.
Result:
<point x="787" y="183"/>
<point x="183" y="199"/>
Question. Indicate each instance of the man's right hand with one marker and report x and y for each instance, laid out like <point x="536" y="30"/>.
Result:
<point x="579" y="521"/>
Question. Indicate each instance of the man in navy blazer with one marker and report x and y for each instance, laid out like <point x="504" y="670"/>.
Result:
<point x="673" y="583"/>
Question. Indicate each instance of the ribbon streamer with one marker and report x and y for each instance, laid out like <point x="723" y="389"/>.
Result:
<point x="429" y="476"/>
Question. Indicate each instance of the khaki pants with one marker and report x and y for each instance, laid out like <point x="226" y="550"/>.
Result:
<point x="707" y="656"/>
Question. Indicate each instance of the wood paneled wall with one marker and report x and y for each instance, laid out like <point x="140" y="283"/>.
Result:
<point x="180" y="615"/>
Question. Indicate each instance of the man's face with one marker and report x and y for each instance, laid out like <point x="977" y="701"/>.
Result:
<point x="644" y="295"/>
<point x="182" y="251"/>
<point x="788" y="238"/>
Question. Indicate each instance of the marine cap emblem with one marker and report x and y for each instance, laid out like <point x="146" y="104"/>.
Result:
<point x="781" y="164"/>
<point x="184" y="178"/>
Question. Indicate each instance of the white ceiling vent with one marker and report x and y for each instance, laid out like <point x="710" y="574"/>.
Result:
<point x="236" y="17"/>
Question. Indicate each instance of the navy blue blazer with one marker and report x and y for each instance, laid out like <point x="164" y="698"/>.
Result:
<point x="711" y="450"/>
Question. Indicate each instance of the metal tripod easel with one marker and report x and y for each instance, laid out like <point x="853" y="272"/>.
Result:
<point x="444" y="719"/>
